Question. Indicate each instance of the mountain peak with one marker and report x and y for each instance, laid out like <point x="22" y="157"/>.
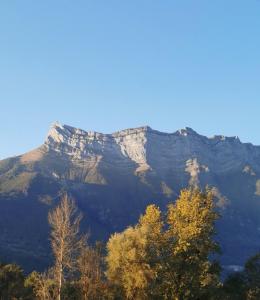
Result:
<point x="60" y="132"/>
<point x="187" y="131"/>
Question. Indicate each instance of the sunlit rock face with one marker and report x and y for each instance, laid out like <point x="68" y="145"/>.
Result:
<point x="114" y="176"/>
<point x="145" y="146"/>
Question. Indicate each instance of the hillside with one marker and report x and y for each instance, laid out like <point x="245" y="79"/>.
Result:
<point x="114" y="176"/>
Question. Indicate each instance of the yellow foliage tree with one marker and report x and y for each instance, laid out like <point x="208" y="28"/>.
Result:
<point x="133" y="256"/>
<point x="167" y="257"/>
<point x="127" y="265"/>
<point x="191" y="228"/>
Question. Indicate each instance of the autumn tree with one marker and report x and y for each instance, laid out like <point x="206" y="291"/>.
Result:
<point x="127" y="263"/>
<point x="43" y="285"/>
<point x="167" y="256"/>
<point x="64" y="221"/>
<point x="90" y="269"/>
<point x="133" y="256"/>
<point x="153" y="223"/>
<point x="191" y="229"/>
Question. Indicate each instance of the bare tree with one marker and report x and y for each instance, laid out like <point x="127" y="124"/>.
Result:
<point x="65" y="240"/>
<point x="90" y="270"/>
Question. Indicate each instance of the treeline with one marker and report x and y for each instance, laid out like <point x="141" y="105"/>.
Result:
<point x="164" y="256"/>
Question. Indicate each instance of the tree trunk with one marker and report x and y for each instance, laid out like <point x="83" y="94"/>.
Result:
<point x="59" y="284"/>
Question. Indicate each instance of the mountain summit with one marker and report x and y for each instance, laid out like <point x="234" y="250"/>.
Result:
<point x="114" y="176"/>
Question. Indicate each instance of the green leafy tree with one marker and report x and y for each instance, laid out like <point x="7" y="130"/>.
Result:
<point x="11" y="282"/>
<point x="252" y="277"/>
<point x="244" y="285"/>
<point x="234" y="287"/>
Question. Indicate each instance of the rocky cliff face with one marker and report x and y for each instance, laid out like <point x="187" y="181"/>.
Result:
<point x="114" y="176"/>
<point x="145" y="146"/>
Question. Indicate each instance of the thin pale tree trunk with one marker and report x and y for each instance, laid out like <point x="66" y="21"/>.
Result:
<point x="59" y="281"/>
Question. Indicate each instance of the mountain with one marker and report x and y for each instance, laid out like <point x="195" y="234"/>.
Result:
<point x="113" y="177"/>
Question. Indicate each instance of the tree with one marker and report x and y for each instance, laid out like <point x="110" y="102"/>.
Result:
<point x="191" y="228"/>
<point x="42" y="285"/>
<point x="64" y="221"/>
<point x="234" y="287"/>
<point x="71" y="291"/>
<point x="127" y="263"/>
<point x="168" y="257"/>
<point x="153" y="223"/>
<point x="252" y="277"/>
<point x="244" y="285"/>
<point x="133" y="256"/>
<point x="11" y="282"/>
<point x="90" y="273"/>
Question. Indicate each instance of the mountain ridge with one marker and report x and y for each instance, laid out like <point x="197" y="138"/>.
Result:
<point x="113" y="177"/>
<point x="182" y="131"/>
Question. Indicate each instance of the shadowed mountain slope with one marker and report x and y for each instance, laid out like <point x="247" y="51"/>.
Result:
<point x="114" y="176"/>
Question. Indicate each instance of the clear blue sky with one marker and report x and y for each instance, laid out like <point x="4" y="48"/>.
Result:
<point x="110" y="65"/>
